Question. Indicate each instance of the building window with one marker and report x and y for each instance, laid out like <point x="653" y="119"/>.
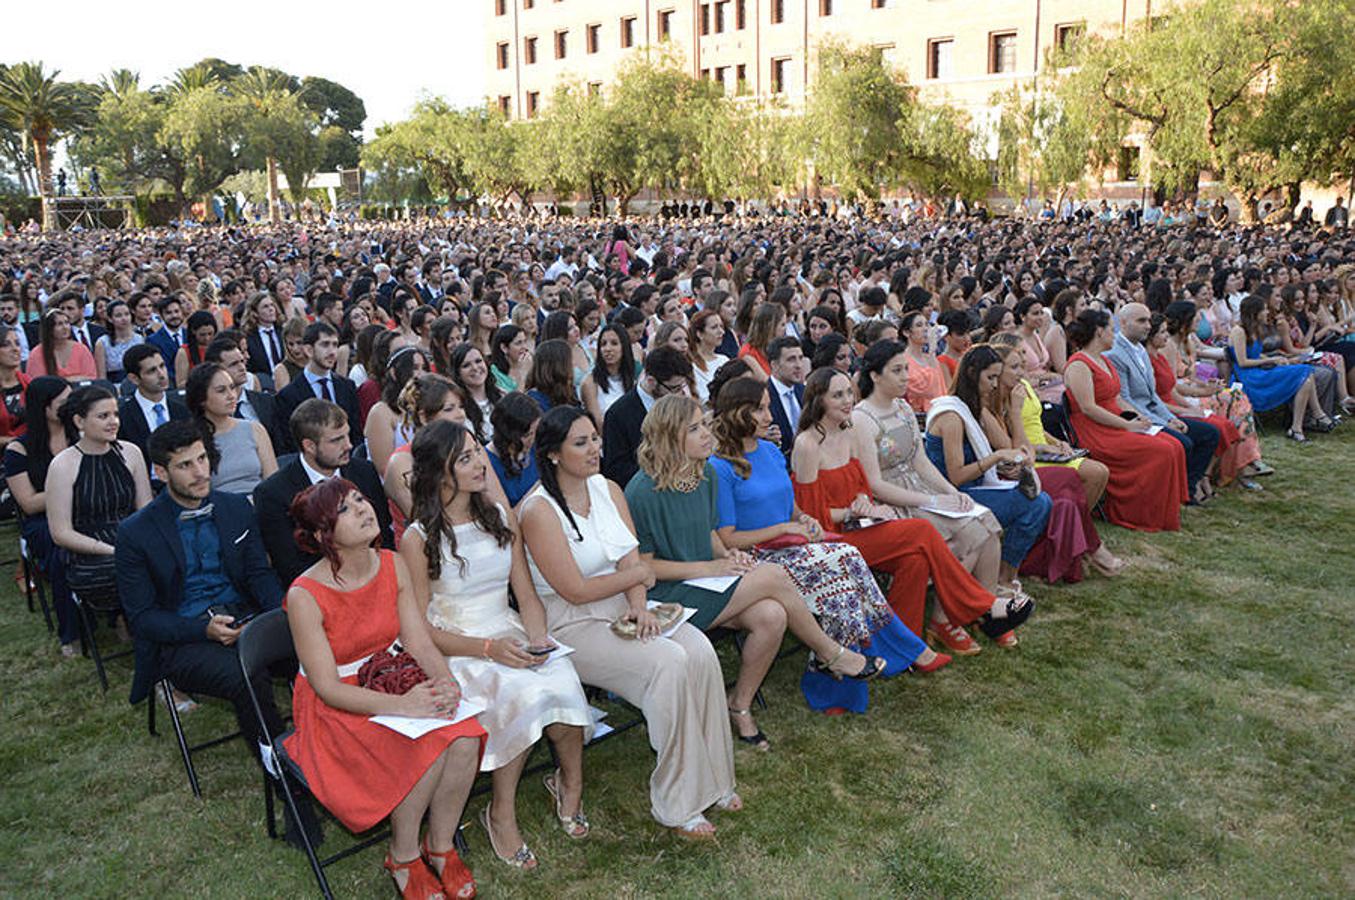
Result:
<point x="825" y="7"/>
<point x="501" y="54"/>
<point x="1128" y="168"/>
<point x="877" y="4"/>
<point x="780" y="66"/>
<point x="500" y="7"/>
<point x="705" y="74"/>
<point x="529" y="50"/>
<point x="592" y="32"/>
<point x="628" y="32"/>
<point x="665" y="24"/>
<point x="594" y="88"/>
<point x="533" y="103"/>
<point x="740" y="14"/>
<point x="705" y="18"/>
<point x="1067" y="36"/>
<point x="778" y="11"/>
<point x="939" y="54"/>
<point x="720" y="17"/>
<point x="505" y="102"/>
<point x="741" y="79"/>
<point x="720" y="73"/>
<point x="528" y="4"/>
<point x="561" y="43"/>
<point x="1002" y="53"/>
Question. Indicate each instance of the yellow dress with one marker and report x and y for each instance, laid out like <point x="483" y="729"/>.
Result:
<point x="1034" y="425"/>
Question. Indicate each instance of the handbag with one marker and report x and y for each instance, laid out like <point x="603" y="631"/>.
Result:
<point x="391" y="672"/>
<point x="795" y="540"/>
<point x="667" y="613"/>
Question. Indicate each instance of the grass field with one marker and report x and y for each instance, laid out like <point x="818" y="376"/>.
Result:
<point x="1183" y="730"/>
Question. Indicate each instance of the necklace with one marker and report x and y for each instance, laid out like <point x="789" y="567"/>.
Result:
<point x="688" y="483"/>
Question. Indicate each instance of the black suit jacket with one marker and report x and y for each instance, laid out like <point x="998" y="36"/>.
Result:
<point x="779" y="414"/>
<point x="132" y="424"/>
<point x="273" y="498"/>
<point x="95" y="332"/>
<point x="258" y="358"/>
<point x="265" y="407"/>
<point x="149" y="555"/>
<point x="621" y="437"/>
<point x="298" y="391"/>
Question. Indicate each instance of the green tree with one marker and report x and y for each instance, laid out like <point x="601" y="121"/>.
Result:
<point x="341" y="114"/>
<point x="430" y="142"/>
<point x="205" y="126"/>
<point x="1042" y="148"/>
<point x="42" y="110"/>
<point x="278" y="130"/>
<point x="941" y="158"/>
<point x="126" y="140"/>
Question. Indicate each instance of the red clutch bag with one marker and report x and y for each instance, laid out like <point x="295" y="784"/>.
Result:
<point x="391" y="673"/>
<point x="794" y="540"/>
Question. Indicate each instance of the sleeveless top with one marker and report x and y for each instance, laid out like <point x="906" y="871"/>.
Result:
<point x="473" y="601"/>
<point x="113" y="354"/>
<point x="239" y="470"/>
<point x="897" y="446"/>
<point x="103" y="494"/>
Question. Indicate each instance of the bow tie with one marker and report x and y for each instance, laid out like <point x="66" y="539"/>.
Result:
<point x="202" y="512"/>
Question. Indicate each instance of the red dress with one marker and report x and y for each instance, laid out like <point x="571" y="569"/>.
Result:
<point x="1164" y="380"/>
<point x="910" y="550"/>
<point x="1147" y="473"/>
<point x="358" y="769"/>
<point x="1070" y="533"/>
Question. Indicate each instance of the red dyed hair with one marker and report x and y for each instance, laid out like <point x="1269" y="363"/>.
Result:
<point x="315" y="512"/>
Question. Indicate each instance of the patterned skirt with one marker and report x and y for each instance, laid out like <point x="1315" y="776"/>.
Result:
<point x="838" y="588"/>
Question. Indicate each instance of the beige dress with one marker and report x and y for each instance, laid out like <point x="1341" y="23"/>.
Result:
<point x="898" y="444"/>
<point x="675" y="681"/>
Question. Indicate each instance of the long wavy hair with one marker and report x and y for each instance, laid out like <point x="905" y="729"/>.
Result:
<point x="880" y="354"/>
<point x="423" y="397"/>
<point x="550" y="437"/>
<point x="512" y="418"/>
<point x="552" y="373"/>
<point x="434" y="452"/>
<point x="661" y="454"/>
<point x="972" y="364"/>
<point x="812" y="408"/>
<point x="734" y="421"/>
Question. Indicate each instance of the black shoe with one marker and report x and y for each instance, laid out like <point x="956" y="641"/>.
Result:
<point x="309" y="821"/>
<point x="1017" y="613"/>
<point x="874" y="666"/>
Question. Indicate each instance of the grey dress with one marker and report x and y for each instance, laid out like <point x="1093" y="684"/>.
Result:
<point x="239" y="470"/>
<point x="897" y="446"/>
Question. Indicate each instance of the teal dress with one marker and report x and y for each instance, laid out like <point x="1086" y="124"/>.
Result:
<point x="676" y="527"/>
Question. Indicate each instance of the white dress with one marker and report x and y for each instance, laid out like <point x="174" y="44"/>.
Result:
<point x="519" y="703"/>
<point x="616" y="389"/>
<point x="704" y="376"/>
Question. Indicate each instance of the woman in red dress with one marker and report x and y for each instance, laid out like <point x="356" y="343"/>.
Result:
<point x="351" y="604"/>
<point x="1147" y="472"/>
<point x="831" y="486"/>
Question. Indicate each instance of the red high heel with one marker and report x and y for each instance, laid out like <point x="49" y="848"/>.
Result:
<point x="420" y="882"/>
<point x="457" y="881"/>
<point x="939" y="661"/>
<point x="952" y="637"/>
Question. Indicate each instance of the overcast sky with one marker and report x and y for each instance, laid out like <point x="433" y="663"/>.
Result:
<point x="388" y="53"/>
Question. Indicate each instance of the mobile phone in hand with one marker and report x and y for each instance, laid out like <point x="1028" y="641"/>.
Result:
<point x="241" y="621"/>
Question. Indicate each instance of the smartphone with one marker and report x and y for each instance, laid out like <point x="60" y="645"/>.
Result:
<point x="241" y="621"/>
<point x="540" y="651"/>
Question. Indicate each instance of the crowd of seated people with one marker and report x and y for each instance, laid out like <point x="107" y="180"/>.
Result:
<point x="487" y="441"/>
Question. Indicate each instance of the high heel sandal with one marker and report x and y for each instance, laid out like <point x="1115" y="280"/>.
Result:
<point x="952" y="637"/>
<point x="874" y="666"/>
<point x="689" y="829"/>
<point x="939" y="661"/>
<point x="1018" y="611"/>
<point x="575" y="826"/>
<point x="730" y="802"/>
<point x="421" y="883"/>
<point x="1296" y="436"/>
<point x="522" y="858"/>
<point x="758" y="740"/>
<point x="457" y="881"/>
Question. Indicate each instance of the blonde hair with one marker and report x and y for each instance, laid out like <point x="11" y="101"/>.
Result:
<point x="661" y="452"/>
<point x="1005" y="344"/>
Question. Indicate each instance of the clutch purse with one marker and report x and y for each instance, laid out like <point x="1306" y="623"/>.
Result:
<point x="666" y="613"/>
<point x="794" y="540"/>
<point x="391" y="673"/>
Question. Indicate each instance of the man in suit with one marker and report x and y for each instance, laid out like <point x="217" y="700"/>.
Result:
<point x="189" y="565"/>
<point x="9" y="317"/>
<point x="318" y="380"/>
<point x="72" y="305"/>
<point x="786" y="387"/>
<point x="667" y="371"/>
<point x="1138" y="392"/>
<point x="172" y="336"/>
<point x="320" y="429"/>
<point x="265" y="344"/>
<point x="253" y="406"/>
<point x="149" y="406"/>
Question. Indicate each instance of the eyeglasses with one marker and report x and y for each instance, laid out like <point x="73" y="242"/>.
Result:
<point x="660" y="388"/>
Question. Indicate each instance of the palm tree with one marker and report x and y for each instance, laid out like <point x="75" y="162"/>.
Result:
<point x="121" y="82"/>
<point x="269" y="92"/>
<point x="41" y="109"/>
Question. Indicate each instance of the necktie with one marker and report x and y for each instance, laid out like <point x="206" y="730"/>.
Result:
<point x="82" y="337"/>
<point x="792" y="407"/>
<point x="271" y="346"/>
<point x="201" y="512"/>
<point x="324" y="390"/>
<point x="160" y="417"/>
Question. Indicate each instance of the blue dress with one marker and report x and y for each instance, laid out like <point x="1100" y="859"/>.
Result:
<point x="1023" y="521"/>
<point x="833" y="578"/>
<point x="515" y="486"/>
<point x="1268" y="388"/>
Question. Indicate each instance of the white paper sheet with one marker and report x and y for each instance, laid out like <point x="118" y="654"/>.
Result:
<point x="972" y="512"/>
<point x="717" y="583"/>
<point x="415" y="728"/>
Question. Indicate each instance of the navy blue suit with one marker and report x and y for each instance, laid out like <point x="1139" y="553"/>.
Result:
<point x="163" y="341"/>
<point x="298" y="391"/>
<point x="779" y="416"/>
<point x="151" y="568"/>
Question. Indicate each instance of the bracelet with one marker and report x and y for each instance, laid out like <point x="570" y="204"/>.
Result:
<point x="485" y="652"/>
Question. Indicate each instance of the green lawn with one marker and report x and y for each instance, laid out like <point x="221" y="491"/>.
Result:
<point x="1185" y="729"/>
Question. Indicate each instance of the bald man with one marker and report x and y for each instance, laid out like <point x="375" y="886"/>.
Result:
<point x="1138" y="391"/>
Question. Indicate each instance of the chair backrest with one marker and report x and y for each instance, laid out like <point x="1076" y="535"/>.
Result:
<point x="265" y="640"/>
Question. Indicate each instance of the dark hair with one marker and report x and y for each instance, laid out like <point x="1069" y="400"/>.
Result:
<point x="135" y="356"/>
<point x="1082" y="329"/>
<point x="433" y="450"/>
<point x="779" y="346"/>
<point x="664" y="363"/>
<point x="992" y="320"/>
<point x="1159" y="295"/>
<point x="550" y="436"/>
<point x="200" y="319"/>
<point x="1064" y="303"/>
<point x="39" y="395"/>
<point x="1180" y="316"/>
<point x="556" y="326"/>
<point x="399" y="370"/>
<point x="512" y="419"/>
<point x="1248" y="315"/>
<point x="1024" y="306"/>
<point x="625" y="369"/>
<point x="46" y="331"/>
<point x="311" y="416"/>
<point x="728" y="371"/>
<point x="195" y="396"/>
<point x="874" y="362"/>
<point x="734" y="424"/>
<point x="492" y="393"/>
<point x="172" y="437"/>
<point x="316" y="330"/>
<point x="826" y="350"/>
<point x="872" y="296"/>
<point x="552" y="373"/>
<point x="812" y="407"/>
<point x="966" y="384"/>
<point x="443" y="328"/>
<point x="829" y="315"/>
<point x="499" y="344"/>
<point x="315" y="511"/>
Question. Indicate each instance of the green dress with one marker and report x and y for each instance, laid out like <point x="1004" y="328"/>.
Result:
<point x="676" y="527"/>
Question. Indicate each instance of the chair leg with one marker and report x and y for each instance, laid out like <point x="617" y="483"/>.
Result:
<point x="314" y="860"/>
<point x="163" y="689"/>
<point x="150" y="714"/>
<point x="270" y="814"/>
<point x="87" y="637"/>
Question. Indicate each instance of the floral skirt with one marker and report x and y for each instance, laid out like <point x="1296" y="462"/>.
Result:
<point x="1233" y="405"/>
<point x="838" y="588"/>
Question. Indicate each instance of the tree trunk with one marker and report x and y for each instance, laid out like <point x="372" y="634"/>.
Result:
<point x="44" y="161"/>
<point x="274" y="214"/>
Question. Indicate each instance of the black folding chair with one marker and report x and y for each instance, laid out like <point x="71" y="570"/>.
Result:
<point x="87" y="611"/>
<point x="35" y="580"/>
<point x="164" y="690"/>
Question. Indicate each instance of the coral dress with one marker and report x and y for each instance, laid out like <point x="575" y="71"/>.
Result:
<point x="1147" y="473"/>
<point x="1235" y="451"/>
<point x="911" y="550"/>
<point x="358" y="769"/>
